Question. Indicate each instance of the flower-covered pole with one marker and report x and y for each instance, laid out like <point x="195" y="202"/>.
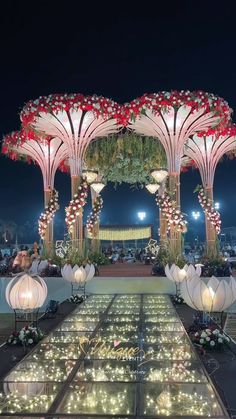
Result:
<point x="93" y="222"/>
<point x="206" y="151"/>
<point x="48" y="153"/>
<point x="77" y="120"/>
<point x="173" y="117"/>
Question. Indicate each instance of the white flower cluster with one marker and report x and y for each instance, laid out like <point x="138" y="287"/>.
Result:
<point x="211" y="338"/>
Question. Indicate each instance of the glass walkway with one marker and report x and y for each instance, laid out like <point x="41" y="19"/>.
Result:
<point x="124" y="356"/>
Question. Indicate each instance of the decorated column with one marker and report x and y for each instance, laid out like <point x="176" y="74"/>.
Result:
<point x="48" y="153"/>
<point x="77" y="120"/>
<point x="93" y="221"/>
<point x="206" y="151"/>
<point x="172" y="117"/>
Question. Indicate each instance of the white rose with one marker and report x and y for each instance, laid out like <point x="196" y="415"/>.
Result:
<point x="227" y="339"/>
<point x="196" y="334"/>
<point x="212" y="343"/>
<point x="30" y="341"/>
<point x="208" y="339"/>
<point x="208" y="331"/>
<point x="202" y="341"/>
<point x="216" y="332"/>
<point x="220" y="340"/>
<point x="203" y="335"/>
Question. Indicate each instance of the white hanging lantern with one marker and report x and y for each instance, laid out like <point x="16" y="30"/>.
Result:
<point x="25" y="292"/>
<point x="212" y="295"/>
<point x="97" y="186"/>
<point x="159" y="175"/>
<point x="90" y="175"/>
<point x="152" y="187"/>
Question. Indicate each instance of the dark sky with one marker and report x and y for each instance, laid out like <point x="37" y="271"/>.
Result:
<point x="120" y="51"/>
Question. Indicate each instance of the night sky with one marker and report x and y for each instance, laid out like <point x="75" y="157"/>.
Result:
<point x="118" y="51"/>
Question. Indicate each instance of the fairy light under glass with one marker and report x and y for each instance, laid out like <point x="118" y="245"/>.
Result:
<point x="183" y="404"/>
<point x="107" y="373"/>
<point x="98" y="400"/>
<point x="38" y="371"/>
<point x="169" y="353"/>
<point x="177" y="373"/>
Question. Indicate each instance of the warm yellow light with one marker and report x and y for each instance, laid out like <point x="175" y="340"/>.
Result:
<point x="152" y="187"/>
<point x="159" y="175"/>
<point x="97" y="186"/>
<point x="90" y="175"/>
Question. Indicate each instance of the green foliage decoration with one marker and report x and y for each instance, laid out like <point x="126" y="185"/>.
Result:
<point x="127" y="158"/>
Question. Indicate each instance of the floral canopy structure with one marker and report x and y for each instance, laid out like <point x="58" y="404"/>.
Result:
<point x="77" y="120"/>
<point x="172" y="117"/>
<point x="206" y="151"/>
<point x="49" y="153"/>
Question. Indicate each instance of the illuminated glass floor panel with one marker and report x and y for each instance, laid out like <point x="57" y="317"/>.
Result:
<point x="115" y="356"/>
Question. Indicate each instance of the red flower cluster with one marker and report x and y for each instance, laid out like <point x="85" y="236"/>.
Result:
<point x="101" y="106"/>
<point x="212" y="215"/>
<point x="48" y="214"/>
<point x="160" y="102"/>
<point x="174" y="216"/>
<point x="93" y="217"/>
<point x="76" y="205"/>
<point x="17" y="138"/>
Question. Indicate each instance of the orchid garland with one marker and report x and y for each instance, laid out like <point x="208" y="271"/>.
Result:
<point x="76" y="205"/>
<point x="93" y="217"/>
<point x="211" y="213"/>
<point x="174" y="216"/>
<point x="48" y="214"/>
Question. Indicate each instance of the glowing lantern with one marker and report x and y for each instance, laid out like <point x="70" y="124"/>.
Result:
<point x="76" y="274"/>
<point x="213" y="295"/>
<point x="175" y="274"/>
<point x="25" y="292"/>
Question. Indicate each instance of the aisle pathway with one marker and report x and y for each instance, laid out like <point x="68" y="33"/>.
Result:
<point x="115" y="356"/>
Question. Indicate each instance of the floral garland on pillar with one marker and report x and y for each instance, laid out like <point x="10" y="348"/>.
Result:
<point x="48" y="214"/>
<point x="211" y="213"/>
<point x="173" y="215"/>
<point x="94" y="215"/>
<point x="76" y="205"/>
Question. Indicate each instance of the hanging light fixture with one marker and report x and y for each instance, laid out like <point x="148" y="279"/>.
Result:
<point x="90" y="175"/>
<point x="97" y="186"/>
<point x="159" y="175"/>
<point x="152" y="187"/>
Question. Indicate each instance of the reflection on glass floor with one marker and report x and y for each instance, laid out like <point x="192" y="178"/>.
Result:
<point x="115" y="356"/>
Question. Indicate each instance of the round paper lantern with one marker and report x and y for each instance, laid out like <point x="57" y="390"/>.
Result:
<point x="26" y="292"/>
<point x="212" y="295"/>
